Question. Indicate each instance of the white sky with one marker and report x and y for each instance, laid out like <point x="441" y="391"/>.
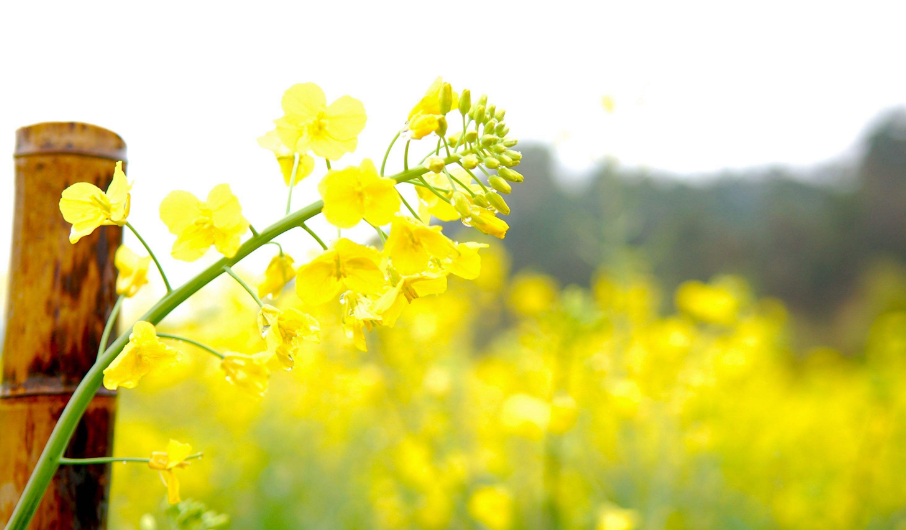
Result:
<point x="698" y="86"/>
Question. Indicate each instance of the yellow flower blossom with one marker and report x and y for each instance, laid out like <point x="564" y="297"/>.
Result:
<point x="525" y="415"/>
<point x="143" y="353"/>
<point x="286" y="158"/>
<point x="355" y="193"/>
<point x="278" y="273"/>
<point x="310" y="124"/>
<point x="284" y="331"/>
<point x="486" y="222"/>
<point x="167" y="462"/>
<point x="467" y="263"/>
<point x="412" y="246"/>
<point x="199" y="224"/>
<point x="86" y="207"/>
<point x="714" y="303"/>
<point x="615" y="518"/>
<point x="532" y="294"/>
<point x="133" y="271"/>
<point x="346" y="266"/>
<point x="392" y="303"/>
<point x="564" y="412"/>
<point x="358" y="315"/>
<point x="428" y="115"/>
<point x="248" y="372"/>
<point x="492" y="506"/>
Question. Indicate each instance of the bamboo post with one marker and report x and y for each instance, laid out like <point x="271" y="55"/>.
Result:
<point x="58" y="300"/>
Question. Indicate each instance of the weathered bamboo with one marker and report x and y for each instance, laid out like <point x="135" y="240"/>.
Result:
<point x="59" y="298"/>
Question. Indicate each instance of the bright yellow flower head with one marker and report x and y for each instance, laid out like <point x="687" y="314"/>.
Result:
<point x="248" y="372"/>
<point x="615" y="518"/>
<point x="358" y="315"/>
<point x="284" y="331"/>
<point x="715" y="303"/>
<point x="86" y="207"/>
<point x="428" y="115"/>
<point x="346" y="266"/>
<point x="492" y="506"/>
<point x="143" y="353"/>
<point x="486" y="222"/>
<point x="413" y="246"/>
<point x="133" y="271"/>
<point x="467" y="263"/>
<point x="392" y="303"/>
<point x="167" y="462"/>
<point x="286" y="158"/>
<point x="355" y="193"/>
<point x="199" y="224"/>
<point x="310" y="124"/>
<point x="525" y="415"/>
<point x="278" y="273"/>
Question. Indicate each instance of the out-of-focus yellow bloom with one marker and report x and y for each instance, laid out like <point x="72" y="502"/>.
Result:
<point x="278" y="273"/>
<point x="248" y="372"/>
<point x="429" y="114"/>
<point x="715" y="303"/>
<point x="615" y="518"/>
<point x="392" y="303"/>
<point x="609" y="103"/>
<point x="355" y="193"/>
<point x="143" y="353"/>
<point x="86" y="207"/>
<point x="133" y="271"/>
<point x="286" y="158"/>
<point x="199" y="224"/>
<point x="626" y="397"/>
<point x="330" y="131"/>
<point x="284" y="330"/>
<point x="412" y="246"/>
<point x="358" y="315"/>
<point x="564" y="412"/>
<point x="525" y="415"/>
<point x="167" y="462"/>
<point x="492" y="506"/>
<point x="347" y="266"/>
<point x="532" y="294"/>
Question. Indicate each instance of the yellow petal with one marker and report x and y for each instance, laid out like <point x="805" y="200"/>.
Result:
<point x="345" y="118"/>
<point x="317" y="282"/>
<point x="125" y="371"/>
<point x="193" y="242"/>
<point x="342" y="195"/>
<point x="178" y="210"/>
<point x="225" y="210"/>
<point x="381" y="200"/>
<point x="303" y="101"/>
<point x="118" y="195"/>
<point x="172" y="486"/>
<point x="177" y="452"/>
<point x="364" y="276"/>
<point x="84" y="206"/>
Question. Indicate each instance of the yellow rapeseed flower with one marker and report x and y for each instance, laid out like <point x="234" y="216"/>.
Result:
<point x="346" y="266"/>
<point x="355" y="193"/>
<point x="615" y="518"/>
<point x="133" y="271"/>
<point x="486" y="222"/>
<point x="284" y="331"/>
<point x="86" y="207"/>
<point x="358" y="315"/>
<point x="492" y="506"/>
<point x="564" y="413"/>
<point x="413" y="245"/>
<point x="525" y="415"/>
<point x="167" y="462"/>
<point x="199" y="224"/>
<point x="392" y="303"/>
<point x="310" y="124"/>
<point x="286" y="158"/>
<point x="248" y="372"/>
<point x="429" y="114"/>
<point x="143" y="353"/>
<point x="714" y="303"/>
<point x="278" y="273"/>
<point x="467" y="263"/>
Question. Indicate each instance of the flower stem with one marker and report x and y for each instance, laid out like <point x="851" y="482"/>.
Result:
<point x="314" y="235"/>
<point x="151" y="253"/>
<point x="327" y="161"/>
<point x="113" y="460"/>
<point x="292" y="182"/>
<point x="407" y="204"/>
<point x="389" y="147"/>
<point x="205" y="347"/>
<point x="108" y="328"/>
<point x="406" y="156"/>
<point x="244" y="285"/>
<point x="58" y="441"/>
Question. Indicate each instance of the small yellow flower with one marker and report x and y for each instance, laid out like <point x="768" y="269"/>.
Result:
<point x="133" y="271"/>
<point x="347" y="266"/>
<point x="492" y="506"/>
<point x="284" y="331"/>
<point x="143" y="353"/>
<point x="310" y="124"/>
<point x="392" y="303"/>
<point x="486" y="222"/>
<point x="286" y="158"/>
<point x="714" y="303"/>
<point x="167" y="462"/>
<point x="278" y="273"/>
<point x="248" y="372"/>
<point x="86" y="207"/>
<point x="412" y="246"/>
<point x="358" y="315"/>
<point x="428" y="115"/>
<point x="616" y="518"/>
<point x="467" y="263"/>
<point x="199" y="224"/>
<point x="355" y="193"/>
<point x="434" y="205"/>
<point x="525" y="415"/>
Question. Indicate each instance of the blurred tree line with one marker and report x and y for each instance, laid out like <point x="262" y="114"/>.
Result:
<point x="830" y="241"/>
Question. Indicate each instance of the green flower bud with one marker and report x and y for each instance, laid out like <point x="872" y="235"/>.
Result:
<point x="510" y="175"/>
<point x="461" y="204"/>
<point x="498" y="149"/>
<point x="492" y="109"/>
<point x="499" y="184"/>
<point x="470" y="161"/>
<point x="500" y="114"/>
<point x="441" y="126"/>
<point x="480" y="200"/>
<point x="446" y="98"/>
<point x="479" y="114"/>
<point x="490" y="125"/>
<point x="510" y="162"/>
<point x="510" y="142"/>
<point x="483" y="100"/>
<point x="471" y="136"/>
<point x="501" y="129"/>
<point x="453" y="139"/>
<point x="505" y="160"/>
<point x="515" y="155"/>
<point x="488" y="139"/>
<point x="498" y="203"/>
<point x="465" y="102"/>
<point x="490" y="163"/>
<point x="435" y="164"/>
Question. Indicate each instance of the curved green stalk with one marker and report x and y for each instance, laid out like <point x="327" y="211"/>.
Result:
<point x="53" y="451"/>
<point x="389" y="147"/>
<point x="292" y="182"/>
<point x="108" y="328"/>
<point x="151" y="253"/>
<point x="195" y="343"/>
<point x="244" y="285"/>
<point x="113" y="460"/>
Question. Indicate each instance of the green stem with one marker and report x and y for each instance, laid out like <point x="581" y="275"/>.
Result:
<point x="387" y="154"/>
<point x="205" y="347"/>
<point x="407" y="204"/>
<point x="151" y="253"/>
<point x="50" y="457"/>
<point x="468" y="189"/>
<point x="314" y="235"/>
<point x="111" y="320"/>
<point x="406" y="156"/>
<point x="478" y="180"/>
<point x="380" y="232"/>
<point x="113" y="460"/>
<point x="292" y="182"/>
<point x="244" y="285"/>
<point x="279" y="246"/>
<point x="327" y="161"/>
<point x="252" y="229"/>
<point x="433" y="190"/>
